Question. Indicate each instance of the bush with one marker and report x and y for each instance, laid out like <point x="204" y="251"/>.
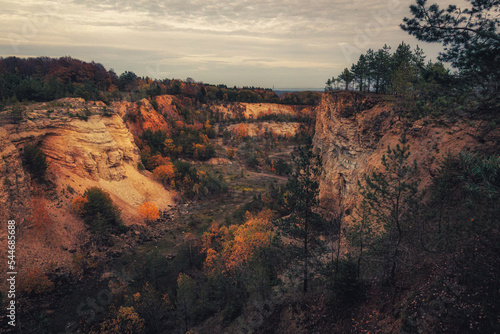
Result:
<point x="252" y="161"/>
<point x="148" y="211"/>
<point x="282" y="168"/>
<point x="100" y="213"/>
<point x="35" y="160"/>
<point x="165" y="174"/>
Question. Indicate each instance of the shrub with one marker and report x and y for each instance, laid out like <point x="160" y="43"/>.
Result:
<point x="35" y="160"/>
<point x="252" y="160"/>
<point x="165" y="174"/>
<point x="148" y="211"/>
<point x="231" y="153"/>
<point x="156" y="161"/>
<point x="123" y="320"/>
<point x="281" y="167"/>
<point x="99" y="211"/>
<point x="77" y="205"/>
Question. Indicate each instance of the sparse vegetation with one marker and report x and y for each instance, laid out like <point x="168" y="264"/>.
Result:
<point x="35" y="161"/>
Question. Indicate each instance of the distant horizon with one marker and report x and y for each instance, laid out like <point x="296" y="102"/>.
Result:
<point x="276" y="89"/>
<point x="284" y="43"/>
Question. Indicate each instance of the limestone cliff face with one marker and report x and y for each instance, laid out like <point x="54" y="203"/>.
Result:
<point x="258" y="129"/>
<point x="86" y="144"/>
<point x="141" y="115"/>
<point x="14" y="187"/>
<point x="256" y="110"/>
<point x="353" y="131"/>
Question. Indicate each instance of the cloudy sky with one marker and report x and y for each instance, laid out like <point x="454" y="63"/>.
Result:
<point x="266" y="43"/>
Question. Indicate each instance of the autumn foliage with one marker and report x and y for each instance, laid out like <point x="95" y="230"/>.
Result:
<point x="148" y="211"/>
<point x="124" y="320"/>
<point x="165" y="174"/>
<point x="157" y="161"/>
<point x="241" y="131"/>
<point x="229" y="248"/>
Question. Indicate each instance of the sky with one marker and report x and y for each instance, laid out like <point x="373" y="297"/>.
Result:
<point x="262" y="43"/>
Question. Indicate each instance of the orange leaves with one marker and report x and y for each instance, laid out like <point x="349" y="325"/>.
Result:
<point x="255" y="234"/>
<point x="165" y="173"/>
<point x="229" y="248"/>
<point x="179" y="124"/>
<point x="199" y="150"/>
<point x="241" y="131"/>
<point x="169" y="146"/>
<point x="125" y="320"/>
<point x="156" y="161"/>
<point x="148" y="211"/>
<point x="210" y="259"/>
<point x="77" y="205"/>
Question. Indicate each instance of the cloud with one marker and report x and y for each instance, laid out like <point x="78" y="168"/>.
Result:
<point x="299" y="40"/>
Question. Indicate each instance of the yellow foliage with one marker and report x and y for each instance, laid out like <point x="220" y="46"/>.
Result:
<point x="199" y="150"/>
<point x="126" y="321"/>
<point x="169" y="146"/>
<point x="233" y="247"/>
<point x="148" y="211"/>
<point x="256" y="233"/>
<point x="210" y="259"/>
<point x="204" y="137"/>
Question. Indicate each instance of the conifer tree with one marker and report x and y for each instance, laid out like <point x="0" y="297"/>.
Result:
<point x="304" y="225"/>
<point x="389" y="194"/>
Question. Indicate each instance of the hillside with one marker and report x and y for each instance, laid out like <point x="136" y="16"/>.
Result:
<point x="230" y="164"/>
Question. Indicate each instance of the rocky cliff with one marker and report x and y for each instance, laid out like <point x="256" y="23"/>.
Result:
<point x="353" y="131"/>
<point x="86" y="144"/>
<point x="256" y="110"/>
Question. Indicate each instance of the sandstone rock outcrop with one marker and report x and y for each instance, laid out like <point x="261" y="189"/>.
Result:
<point x="353" y="131"/>
<point x="141" y="115"/>
<point x="86" y="144"/>
<point x="256" y="110"/>
<point x="283" y="129"/>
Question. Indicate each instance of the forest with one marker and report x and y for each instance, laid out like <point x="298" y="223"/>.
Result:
<point x="47" y="79"/>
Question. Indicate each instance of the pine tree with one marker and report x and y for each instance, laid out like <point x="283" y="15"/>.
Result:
<point x="389" y="196"/>
<point x="347" y="77"/>
<point x="304" y="225"/>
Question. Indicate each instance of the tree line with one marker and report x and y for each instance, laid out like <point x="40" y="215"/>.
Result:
<point x="45" y="79"/>
<point x="472" y="47"/>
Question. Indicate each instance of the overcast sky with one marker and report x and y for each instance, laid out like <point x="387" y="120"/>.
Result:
<point x="280" y="43"/>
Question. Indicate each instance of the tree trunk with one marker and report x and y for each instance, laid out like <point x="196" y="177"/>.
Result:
<point x="306" y="256"/>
